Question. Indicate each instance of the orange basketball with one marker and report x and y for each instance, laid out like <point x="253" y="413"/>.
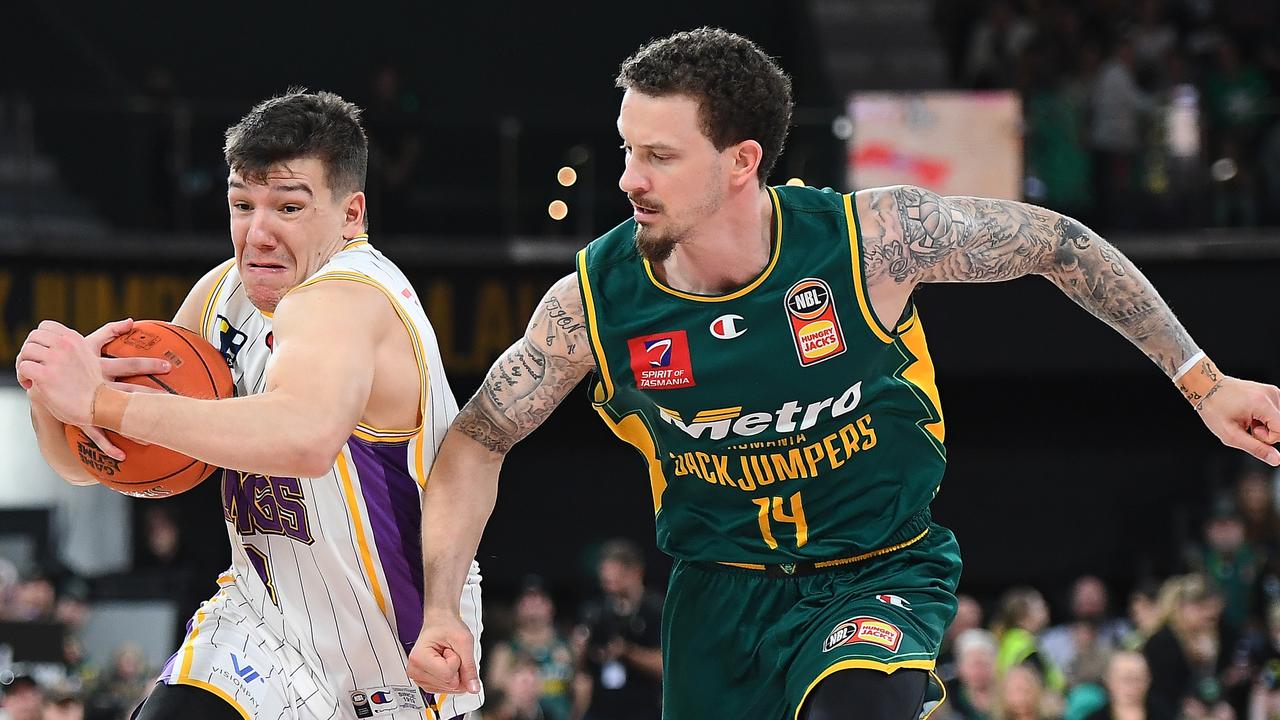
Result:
<point x="198" y="371"/>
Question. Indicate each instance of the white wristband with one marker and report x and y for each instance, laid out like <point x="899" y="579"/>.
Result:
<point x="1186" y="366"/>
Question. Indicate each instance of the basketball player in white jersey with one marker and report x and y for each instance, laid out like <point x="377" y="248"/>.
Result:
<point x="341" y="404"/>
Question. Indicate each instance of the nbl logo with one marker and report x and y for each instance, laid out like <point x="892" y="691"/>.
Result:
<point x="360" y="702"/>
<point x="809" y="300"/>
<point x="659" y="352"/>
<point x="815" y="326"/>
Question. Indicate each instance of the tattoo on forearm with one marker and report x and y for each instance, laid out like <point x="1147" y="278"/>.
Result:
<point x="528" y="381"/>
<point x="913" y="235"/>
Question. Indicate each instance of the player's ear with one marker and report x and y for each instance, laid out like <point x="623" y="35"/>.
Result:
<point x="745" y="158"/>
<point x="354" y="215"/>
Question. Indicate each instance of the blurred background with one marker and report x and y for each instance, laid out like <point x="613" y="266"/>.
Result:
<point x="1094" y="511"/>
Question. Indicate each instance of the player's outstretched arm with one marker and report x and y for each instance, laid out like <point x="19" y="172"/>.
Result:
<point x="319" y="386"/>
<point x="912" y="235"/>
<point x="521" y="389"/>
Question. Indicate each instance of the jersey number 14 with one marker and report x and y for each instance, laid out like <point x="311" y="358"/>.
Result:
<point x="772" y="510"/>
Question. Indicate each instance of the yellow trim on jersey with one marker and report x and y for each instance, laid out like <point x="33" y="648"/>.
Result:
<point x="189" y="647"/>
<point x="353" y="507"/>
<point x="372" y="434"/>
<point x="205" y="317"/>
<point x="602" y="363"/>
<point x="823" y="564"/>
<point x="887" y="668"/>
<point x="183" y="677"/>
<point x="188" y="653"/>
<point x="633" y="431"/>
<point x="921" y="373"/>
<point x="357" y="241"/>
<point x="439" y="701"/>
<point x="417" y="459"/>
<point x="942" y="700"/>
<point x="773" y="261"/>
<point x="226" y="579"/>
<point x="216" y="691"/>
<point x="859" y="279"/>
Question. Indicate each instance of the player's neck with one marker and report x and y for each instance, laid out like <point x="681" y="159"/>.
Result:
<point x="727" y="252"/>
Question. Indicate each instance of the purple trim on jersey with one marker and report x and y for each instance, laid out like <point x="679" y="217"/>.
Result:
<point x="395" y="515"/>
<point x="167" y="672"/>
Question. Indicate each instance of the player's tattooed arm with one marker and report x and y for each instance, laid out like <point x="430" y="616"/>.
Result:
<point x="531" y="378"/>
<point x="911" y="235"/>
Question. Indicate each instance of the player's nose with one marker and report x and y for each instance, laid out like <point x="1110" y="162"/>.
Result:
<point x="632" y="180"/>
<point x="261" y="234"/>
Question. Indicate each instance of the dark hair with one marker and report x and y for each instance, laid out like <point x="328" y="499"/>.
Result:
<point x="622" y="551"/>
<point x="742" y="94"/>
<point x="298" y="125"/>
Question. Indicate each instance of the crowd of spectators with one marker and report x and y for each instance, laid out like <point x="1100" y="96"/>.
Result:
<point x="35" y="610"/>
<point x="1203" y="644"/>
<point x="1148" y="114"/>
<point x="607" y="665"/>
<point x="1200" y="645"/>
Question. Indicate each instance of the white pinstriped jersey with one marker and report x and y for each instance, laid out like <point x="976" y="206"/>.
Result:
<point x="328" y="570"/>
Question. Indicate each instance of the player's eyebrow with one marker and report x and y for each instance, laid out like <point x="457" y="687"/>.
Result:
<point x="290" y="187"/>
<point x="659" y="146"/>
<point x="294" y="187"/>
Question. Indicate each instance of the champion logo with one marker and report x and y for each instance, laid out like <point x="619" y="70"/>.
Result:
<point x="895" y="600"/>
<point x="726" y="327"/>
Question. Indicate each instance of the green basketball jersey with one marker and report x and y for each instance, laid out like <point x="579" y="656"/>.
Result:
<point x="780" y="421"/>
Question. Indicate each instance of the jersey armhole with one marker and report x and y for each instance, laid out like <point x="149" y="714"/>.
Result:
<point x="368" y="432"/>
<point x="859" y="273"/>
<point x="602" y="389"/>
<point x="210" y="302"/>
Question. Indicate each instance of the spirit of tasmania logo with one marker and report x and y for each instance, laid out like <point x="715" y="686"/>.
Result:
<point x="661" y="361"/>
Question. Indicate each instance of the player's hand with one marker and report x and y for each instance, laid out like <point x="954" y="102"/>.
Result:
<point x="42" y="338"/>
<point x="116" y="368"/>
<point x="60" y="368"/>
<point x="443" y="659"/>
<point x="1245" y="415"/>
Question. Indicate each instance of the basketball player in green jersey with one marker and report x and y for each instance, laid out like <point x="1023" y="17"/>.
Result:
<point x="759" y="347"/>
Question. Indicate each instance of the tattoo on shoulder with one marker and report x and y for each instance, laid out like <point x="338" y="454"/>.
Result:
<point x="912" y="235"/>
<point x="531" y="378"/>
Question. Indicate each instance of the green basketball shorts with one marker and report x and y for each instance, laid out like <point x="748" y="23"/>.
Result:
<point x="740" y="643"/>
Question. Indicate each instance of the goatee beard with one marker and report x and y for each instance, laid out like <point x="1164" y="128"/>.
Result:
<point x="654" y="246"/>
